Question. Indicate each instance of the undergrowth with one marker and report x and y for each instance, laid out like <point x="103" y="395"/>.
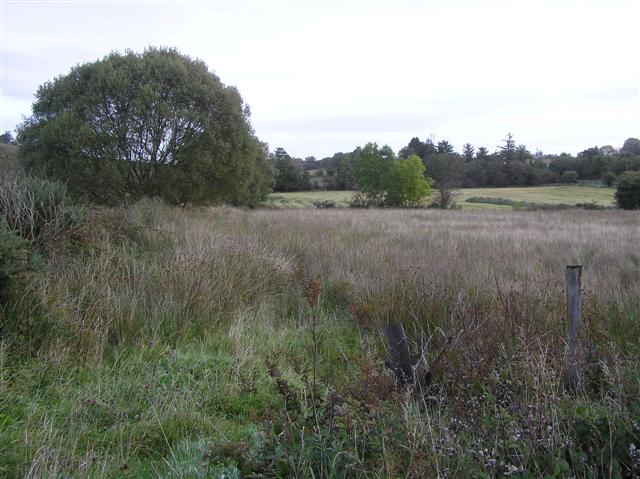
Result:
<point x="162" y="342"/>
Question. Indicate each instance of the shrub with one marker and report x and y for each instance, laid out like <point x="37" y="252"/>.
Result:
<point x="609" y="178"/>
<point x="569" y="176"/>
<point x="324" y="204"/>
<point x="490" y="201"/>
<point x="14" y="261"/>
<point x="37" y="210"/>
<point x="522" y="205"/>
<point x="591" y="205"/>
<point x="628" y="191"/>
<point x="389" y="181"/>
<point x="362" y="200"/>
<point x="445" y="199"/>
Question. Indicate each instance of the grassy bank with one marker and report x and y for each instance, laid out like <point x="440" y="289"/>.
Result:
<point x="551" y="195"/>
<point x="168" y="342"/>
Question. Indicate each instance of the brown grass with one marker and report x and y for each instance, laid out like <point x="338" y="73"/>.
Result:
<point x="485" y="287"/>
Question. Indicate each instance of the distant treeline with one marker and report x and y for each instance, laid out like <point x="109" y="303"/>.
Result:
<point x="510" y="165"/>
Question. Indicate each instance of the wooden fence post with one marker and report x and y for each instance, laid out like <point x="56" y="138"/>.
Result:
<point x="399" y="355"/>
<point x="572" y="367"/>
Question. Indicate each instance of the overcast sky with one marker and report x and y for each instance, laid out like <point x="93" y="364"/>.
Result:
<point x="327" y="76"/>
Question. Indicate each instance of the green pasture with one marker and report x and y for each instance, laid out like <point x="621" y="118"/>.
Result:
<point x="553" y="195"/>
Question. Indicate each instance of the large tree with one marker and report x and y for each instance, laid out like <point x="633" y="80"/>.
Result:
<point x="372" y="168"/>
<point x="290" y="174"/>
<point x="152" y="124"/>
<point x="7" y="138"/>
<point x="631" y="145"/>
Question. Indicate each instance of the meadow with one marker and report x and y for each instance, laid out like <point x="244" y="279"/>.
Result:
<point x="546" y="195"/>
<point x="221" y="342"/>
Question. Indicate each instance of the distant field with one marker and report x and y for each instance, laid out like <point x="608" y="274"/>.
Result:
<point x="538" y="194"/>
<point x="305" y="199"/>
<point x="541" y="194"/>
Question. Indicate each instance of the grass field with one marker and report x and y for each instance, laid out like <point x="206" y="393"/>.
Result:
<point x="180" y="343"/>
<point x="305" y="199"/>
<point x="563" y="194"/>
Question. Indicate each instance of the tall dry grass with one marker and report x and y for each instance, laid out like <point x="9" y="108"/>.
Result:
<point x="180" y="272"/>
<point x="484" y="291"/>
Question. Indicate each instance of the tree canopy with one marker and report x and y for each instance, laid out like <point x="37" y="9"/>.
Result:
<point x="7" y="138"/>
<point x="390" y="181"/>
<point x="152" y="124"/>
<point x="290" y="174"/>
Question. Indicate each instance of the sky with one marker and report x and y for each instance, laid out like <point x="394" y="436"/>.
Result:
<point x="328" y="76"/>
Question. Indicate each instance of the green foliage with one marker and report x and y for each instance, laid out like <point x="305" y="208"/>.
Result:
<point x="628" y="192"/>
<point x="491" y="201"/>
<point x="7" y="138"/>
<point x="631" y="145"/>
<point x="569" y="176"/>
<point x="362" y="200"/>
<point x="528" y="205"/>
<point x="609" y="178"/>
<point x="372" y="168"/>
<point x="23" y="326"/>
<point x="36" y="209"/>
<point x="324" y="204"/>
<point x="445" y="169"/>
<point x="515" y="165"/>
<point x="151" y="124"/>
<point x="602" y="446"/>
<point x="35" y="216"/>
<point x="389" y="181"/>
<point x="14" y="262"/>
<point x="290" y="174"/>
<point x="406" y="184"/>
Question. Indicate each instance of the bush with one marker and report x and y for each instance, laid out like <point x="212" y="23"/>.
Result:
<point x="628" y="191"/>
<point x="490" y="201"/>
<point x="609" y="178"/>
<point x="362" y="200"/>
<point x="569" y="176"/>
<point x="14" y="262"/>
<point x="324" y="204"/>
<point x="37" y="210"/>
<point x="387" y="181"/>
<point x="445" y="199"/>
<point x="592" y="205"/>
